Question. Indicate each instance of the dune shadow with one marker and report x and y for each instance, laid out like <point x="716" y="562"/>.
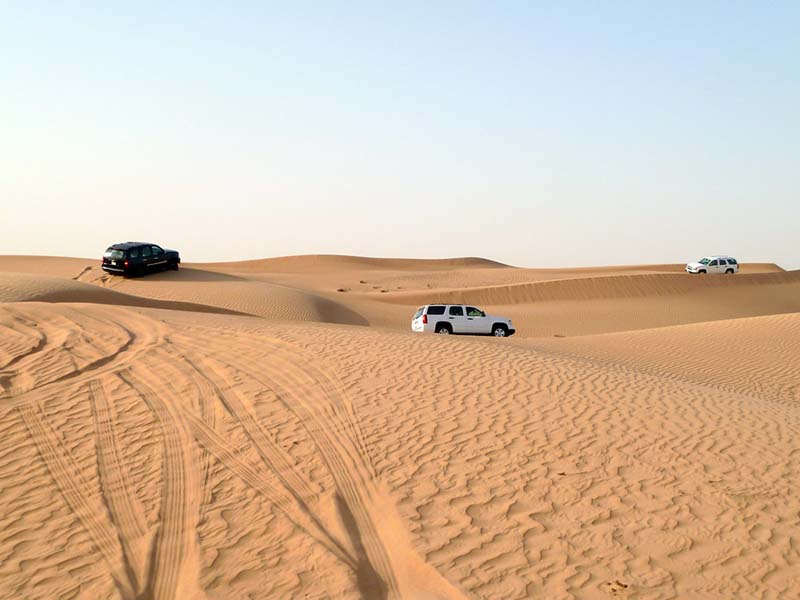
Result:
<point x="338" y="313"/>
<point x="190" y="275"/>
<point x="370" y="583"/>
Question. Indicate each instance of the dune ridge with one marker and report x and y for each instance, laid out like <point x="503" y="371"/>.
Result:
<point x="321" y="262"/>
<point x="18" y="287"/>
<point x="590" y="288"/>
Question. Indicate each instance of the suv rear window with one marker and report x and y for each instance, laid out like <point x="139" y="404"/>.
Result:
<point x="436" y="310"/>
<point x="113" y="254"/>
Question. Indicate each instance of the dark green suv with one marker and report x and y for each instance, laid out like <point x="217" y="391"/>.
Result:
<point x="139" y="258"/>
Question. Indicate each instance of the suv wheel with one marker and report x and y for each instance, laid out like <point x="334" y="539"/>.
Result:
<point x="499" y="331"/>
<point x="443" y="328"/>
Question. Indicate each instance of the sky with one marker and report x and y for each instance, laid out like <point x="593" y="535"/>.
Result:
<point x="537" y="134"/>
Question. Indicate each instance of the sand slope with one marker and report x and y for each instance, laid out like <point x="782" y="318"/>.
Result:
<point x="155" y="447"/>
<point x="386" y="292"/>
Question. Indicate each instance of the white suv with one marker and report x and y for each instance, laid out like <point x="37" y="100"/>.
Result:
<point x="460" y="318"/>
<point x="714" y="264"/>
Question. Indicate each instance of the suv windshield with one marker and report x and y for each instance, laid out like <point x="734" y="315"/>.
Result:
<point x="112" y="254"/>
<point x="704" y="261"/>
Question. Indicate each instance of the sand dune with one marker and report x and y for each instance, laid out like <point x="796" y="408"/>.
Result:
<point x="705" y="353"/>
<point x="18" y="287"/>
<point x="312" y="263"/>
<point x="157" y="446"/>
<point x="598" y="288"/>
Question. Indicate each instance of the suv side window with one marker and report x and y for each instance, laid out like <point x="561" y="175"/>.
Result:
<point x="474" y="312"/>
<point x="145" y="251"/>
<point x="435" y="310"/>
<point x="456" y="311"/>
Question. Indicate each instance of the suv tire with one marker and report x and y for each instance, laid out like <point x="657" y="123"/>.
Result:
<point x="499" y="331"/>
<point x="444" y="328"/>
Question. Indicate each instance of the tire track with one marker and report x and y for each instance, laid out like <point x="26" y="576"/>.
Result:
<point x="286" y="503"/>
<point x="30" y="327"/>
<point x="209" y="412"/>
<point x="351" y="475"/>
<point x="333" y="388"/>
<point x="140" y="339"/>
<point x="174" y="568"/>
<point x="126" y="512"/>
<point x="331" y="385"/>
<point x="91" y="514"/>
<point x="275" y="457"/>
<point x="343" y="408"/>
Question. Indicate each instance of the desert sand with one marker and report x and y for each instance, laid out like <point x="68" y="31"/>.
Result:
<point x="272" y="429"/>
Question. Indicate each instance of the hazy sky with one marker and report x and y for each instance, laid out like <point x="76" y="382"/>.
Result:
<point x="540" y="134"/>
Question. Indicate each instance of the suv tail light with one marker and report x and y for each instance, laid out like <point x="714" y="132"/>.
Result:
<point x="424" y="319"/>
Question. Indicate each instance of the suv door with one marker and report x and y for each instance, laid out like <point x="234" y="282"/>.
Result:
<point x="159" y="260"/>
<point x="457" y="320"/>
<point x="477" y="321"/>
<point x="435" y="314"/>
<point x="146" y="257"/>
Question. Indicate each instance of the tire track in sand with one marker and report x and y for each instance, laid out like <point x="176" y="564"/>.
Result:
<point x="286" y="503"/>
<point x="89" y="511"/>
<point x="292" y="502"/>
<point x="143" y="333"/>
<point x="294" y="499"/>
<point x="174" y="566"/>
<point x="30" y="330"/>
<point x="275" y="457"/>
<point x="305" y="392"/>
<point x="126" y="512"/>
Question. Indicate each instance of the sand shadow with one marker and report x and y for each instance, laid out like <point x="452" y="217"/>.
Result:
<point x="370" y="583"/>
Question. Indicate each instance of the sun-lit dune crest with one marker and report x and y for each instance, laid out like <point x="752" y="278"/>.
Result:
<point x="604" y="287"/>
<point x="55" y="266"/>
<point x="326" y="262"/>
<point x="707" y="353"/>
<point x="24" y="287"/>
